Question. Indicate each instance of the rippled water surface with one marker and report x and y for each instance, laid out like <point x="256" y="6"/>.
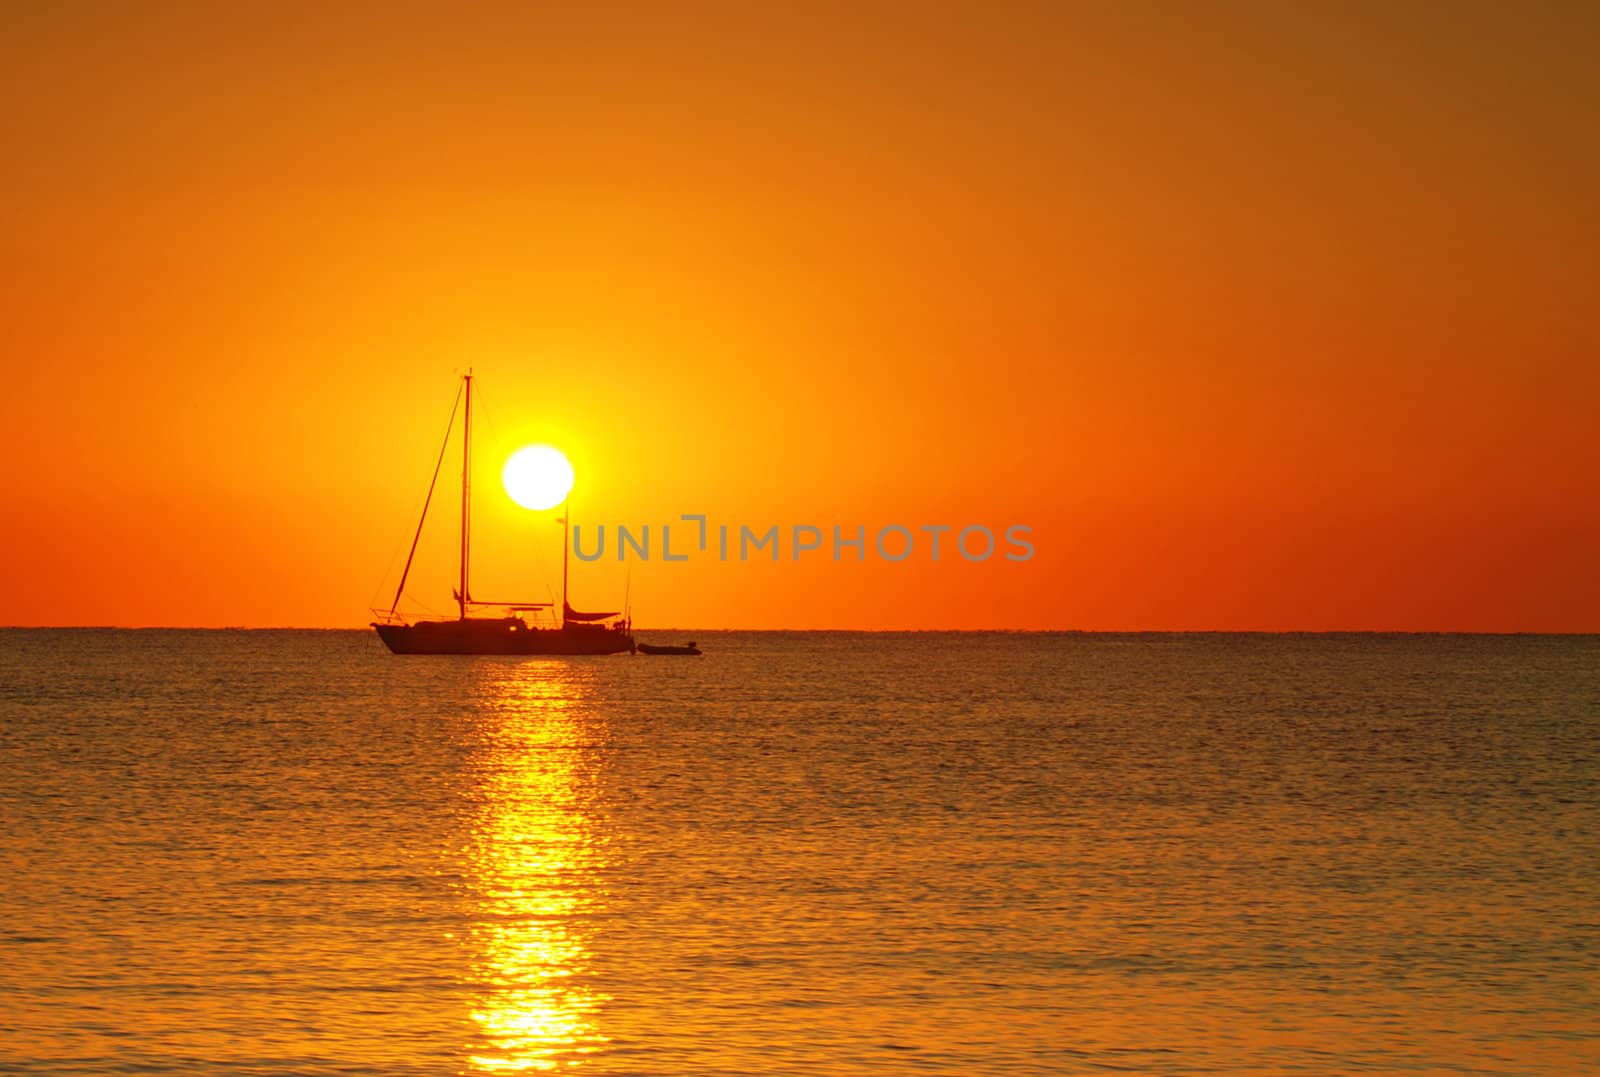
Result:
<point x="291" y="852"/>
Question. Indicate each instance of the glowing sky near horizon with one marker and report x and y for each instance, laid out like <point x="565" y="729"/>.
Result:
<point x="1260" y="316"/>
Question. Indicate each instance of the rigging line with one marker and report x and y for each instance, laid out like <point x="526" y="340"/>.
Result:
<point x="417" y="607"/>
<point x="538" y="564"/>
<point x="486" y="416"/>
<point x="427" y="609"/>
<point x="426" y="502"/>
<point x="388" y="567"/>
<point x="487" y="433"/>
<point x="485" y="419"/>
<point x="372" y="600"/>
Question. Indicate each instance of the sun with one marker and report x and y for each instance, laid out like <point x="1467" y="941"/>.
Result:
<point x="537" y="477"/>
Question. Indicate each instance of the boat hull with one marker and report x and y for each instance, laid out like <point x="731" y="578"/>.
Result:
<point x="497" y="636"/>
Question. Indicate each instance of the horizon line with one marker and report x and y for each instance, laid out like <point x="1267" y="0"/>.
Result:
<point x="875" y="631"/>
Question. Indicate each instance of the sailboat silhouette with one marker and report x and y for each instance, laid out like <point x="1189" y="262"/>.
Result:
<point x="578" y="632"/>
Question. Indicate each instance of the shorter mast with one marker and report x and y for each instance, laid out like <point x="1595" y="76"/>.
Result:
<point x="466" y="492"/>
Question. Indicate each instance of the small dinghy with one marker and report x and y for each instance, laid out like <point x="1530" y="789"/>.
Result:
<point x="689" y="648"/>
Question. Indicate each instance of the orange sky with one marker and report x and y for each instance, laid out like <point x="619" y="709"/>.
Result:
<point x="1262" y="316"/>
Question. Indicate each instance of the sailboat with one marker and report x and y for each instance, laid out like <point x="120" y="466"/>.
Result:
<point x="509" y="632"/>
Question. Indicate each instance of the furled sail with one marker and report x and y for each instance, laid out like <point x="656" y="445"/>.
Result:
<point x="579" y="615"/>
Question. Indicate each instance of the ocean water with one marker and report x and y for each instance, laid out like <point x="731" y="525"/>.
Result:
<point x="294" y="853"/>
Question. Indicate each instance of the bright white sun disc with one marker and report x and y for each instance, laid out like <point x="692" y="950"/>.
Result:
<point x="537" y="477"/>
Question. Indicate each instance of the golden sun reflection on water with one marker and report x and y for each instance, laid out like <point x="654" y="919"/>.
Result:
<point x="532" y="873"/>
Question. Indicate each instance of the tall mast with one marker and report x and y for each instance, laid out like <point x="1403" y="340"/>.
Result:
<point x="466" y="492"/>
<point x="566" y="553"/>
